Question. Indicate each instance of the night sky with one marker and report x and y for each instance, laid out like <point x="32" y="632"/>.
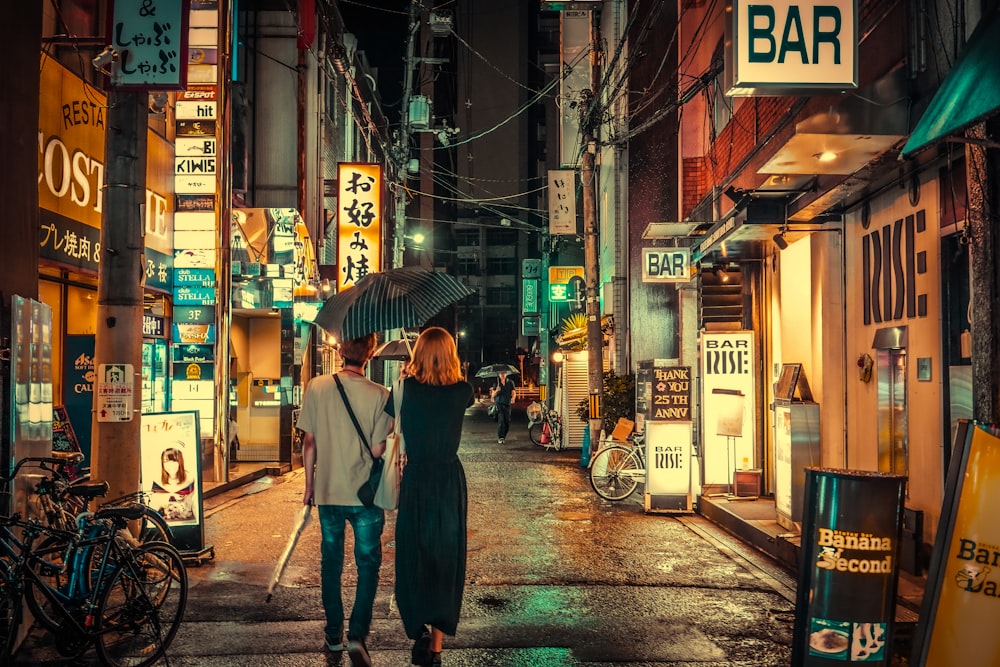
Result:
<point x="381" y="29"/>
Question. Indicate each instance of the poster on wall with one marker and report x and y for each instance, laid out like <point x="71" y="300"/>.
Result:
<point x="728" y="397"/>
<point x="170" y="472"/>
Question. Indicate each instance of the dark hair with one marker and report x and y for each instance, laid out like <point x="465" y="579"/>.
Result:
<point x="358" y="350"/>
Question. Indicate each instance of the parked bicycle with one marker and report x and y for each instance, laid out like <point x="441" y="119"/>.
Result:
<point x="100" y="589"/>
<point x="545" y="427"/>
<point x="60" y="499"/>
<point x="618" y="467"/>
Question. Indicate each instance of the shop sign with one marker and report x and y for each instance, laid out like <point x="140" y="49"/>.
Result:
<point x="530" y="325"/>
<point x="846" y="601"/>
<point x="69" y="242"/>
<point x="192" y="371"/>
<point x="202" y="238"/>
<point x="153" y="326"/>
<point x="194" y="296"/>
<point x="115" y="392"/>
<point x="958" y="617"/>
<point x="150" y="38"/>
<point x="529" y="297"/>
<point x="196" y="128"/>
<point x="194" y="258"/>
<point x="194" y="184"/>
<point x="193" y="353"/>
<point x="195" y="110"/>
<point x="565" y="282"/>
<point x="668" y="458"/>
<point x="728" y="397"/>
<point x="194" y="202"/>
<point x="671" y="394"/>
<point x="780" y="44"/>
<point x="359" y="222"/>
<point x="666" y="265"/>
<point x="197" y="92"/>
<point x="157" y="269"/>
<point x="191" y="221"/>
<point x="531" y="268"/>
<point x="562" y="201"/>
<point x="196" y="334"/>
<point x="194" y="146"/>
<point x="194" y="315"/>
<point x="194" y="277"/>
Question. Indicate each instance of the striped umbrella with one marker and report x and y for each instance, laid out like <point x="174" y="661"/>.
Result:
<point x="394" y="299"/>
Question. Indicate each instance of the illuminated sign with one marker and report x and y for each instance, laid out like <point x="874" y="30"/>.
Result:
<point x="359" y="222"/>
<point x="151" y="40"/>
<point x="780" y="44"/>
<point x="562" y="201"/>
<point x="666" y="265"/>
<point x="565" y="283"/>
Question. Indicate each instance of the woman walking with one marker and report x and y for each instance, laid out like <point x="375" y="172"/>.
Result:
<point x="431" y="523"/>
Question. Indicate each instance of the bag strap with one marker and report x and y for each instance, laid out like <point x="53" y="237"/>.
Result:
<point x="397" y="403"/>
<point x="347" y="404"/>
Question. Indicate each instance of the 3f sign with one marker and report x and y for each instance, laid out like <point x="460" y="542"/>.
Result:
<point x="788" y="44"/>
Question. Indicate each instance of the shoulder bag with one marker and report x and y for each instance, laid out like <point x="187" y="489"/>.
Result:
<point x="366" y="492"/>
<point x="387" y="494"/>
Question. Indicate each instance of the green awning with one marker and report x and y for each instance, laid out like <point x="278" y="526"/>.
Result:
<point x="969" y="93"/>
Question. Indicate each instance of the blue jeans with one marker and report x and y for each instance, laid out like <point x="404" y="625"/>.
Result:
<point x="367" y="524"/>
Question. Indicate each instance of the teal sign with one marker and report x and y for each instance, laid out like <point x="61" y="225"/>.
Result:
<point x="194" y="296"/>
<point x="194" y="277"/>
<point x="529" y="297"/>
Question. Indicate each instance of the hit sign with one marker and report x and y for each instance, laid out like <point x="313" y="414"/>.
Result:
<point x="781" y="44"/>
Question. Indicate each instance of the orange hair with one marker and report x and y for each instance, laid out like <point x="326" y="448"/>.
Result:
<point x="435" y="358"/>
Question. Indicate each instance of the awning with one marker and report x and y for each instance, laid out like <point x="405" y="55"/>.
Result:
<point x="969" y="93"/>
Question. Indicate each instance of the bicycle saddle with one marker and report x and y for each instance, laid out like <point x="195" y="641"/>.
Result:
<point x="128" y="513"/>
<point x="88" y="490"/>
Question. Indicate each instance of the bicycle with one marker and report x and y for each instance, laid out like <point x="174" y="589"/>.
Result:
<point x="59" y="498"/>
<point x="618" y="468"/>
<point x="127" y="601"/>
<point x="545" y="427"/>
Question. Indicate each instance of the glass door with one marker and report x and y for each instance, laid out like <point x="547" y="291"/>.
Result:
<point x="893" y="436"/>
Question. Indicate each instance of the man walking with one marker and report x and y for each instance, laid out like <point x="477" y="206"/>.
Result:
<point x="337" y="462"/>
<point x="503" y="394"/>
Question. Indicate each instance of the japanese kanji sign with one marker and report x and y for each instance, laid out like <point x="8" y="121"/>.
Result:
<point x="562" y="201"/>
<point x="565" y="283"/>
<point x="115" y="392"/>
<point x="359" y="222"/>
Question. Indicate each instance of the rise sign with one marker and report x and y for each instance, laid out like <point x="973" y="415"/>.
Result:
<point x="779" y="46"/>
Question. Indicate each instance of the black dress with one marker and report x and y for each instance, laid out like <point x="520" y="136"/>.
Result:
<point x="430" y="524"/>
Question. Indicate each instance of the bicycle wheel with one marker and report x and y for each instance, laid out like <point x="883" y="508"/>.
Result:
<point x="535" y="432"/>
<point x="153" y="528"/>
<point x="46" y="560"/>
<point x="9" y="608"/>
<point x="142" y="607"/>
<point x="606" y="472"/>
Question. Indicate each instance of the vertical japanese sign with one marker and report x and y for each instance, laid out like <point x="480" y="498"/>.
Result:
<point x="150" y="37"/>
<point x="115" y="392"/>
<point x="562" y="201"/>
<point x="958" y="617"/>
<point x="728" y="397"/>
<point x="359" y="222"/>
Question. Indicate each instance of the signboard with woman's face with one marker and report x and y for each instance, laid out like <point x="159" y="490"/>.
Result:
<point x="170" y="468"/>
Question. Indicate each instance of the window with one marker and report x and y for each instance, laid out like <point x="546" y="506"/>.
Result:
<point x="466" y="236"/>
<point x="501" y="295"/>
<point x="467" y="266"/>
<point x="500" y="266"/>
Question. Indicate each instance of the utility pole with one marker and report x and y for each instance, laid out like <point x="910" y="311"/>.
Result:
<point x="403" y="139"/>
<point x="589" y="119"/>
<point x="115" y="444"/>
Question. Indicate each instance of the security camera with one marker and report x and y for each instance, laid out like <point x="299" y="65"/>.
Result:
<point x="104" y="59"/>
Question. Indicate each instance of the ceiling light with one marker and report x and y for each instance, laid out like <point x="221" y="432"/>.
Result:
<point x="780" y="241"/>
<point x="721" y="275"/>
<point x="826" y="156"/>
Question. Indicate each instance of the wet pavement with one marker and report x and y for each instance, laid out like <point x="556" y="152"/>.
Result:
<point x="556" y="576"/>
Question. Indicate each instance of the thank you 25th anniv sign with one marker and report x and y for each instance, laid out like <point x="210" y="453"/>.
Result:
<point x="782" y="44"/>
<point x="669" y="433"/>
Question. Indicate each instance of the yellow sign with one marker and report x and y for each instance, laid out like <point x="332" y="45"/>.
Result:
<point x="963" y="630"/>
<point x="359" y="222"/>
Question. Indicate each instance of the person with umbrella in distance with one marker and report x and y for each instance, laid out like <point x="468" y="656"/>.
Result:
<point x="503" y="393"/>
<point x="433" y="499"/>
<point x="336" y="463"/>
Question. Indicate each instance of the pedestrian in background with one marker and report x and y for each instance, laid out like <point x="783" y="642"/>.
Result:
<point x="336" y="464"/>
<point x="431" y="523"/>
<point x="504" y="393"/>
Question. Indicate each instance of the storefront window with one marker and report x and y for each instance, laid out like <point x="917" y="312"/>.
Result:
<point x="81" y="311"/>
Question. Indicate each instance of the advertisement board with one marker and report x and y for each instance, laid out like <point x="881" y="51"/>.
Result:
<point x="728" y="394"/>
<point x="958" y="617"/>
<point x="170" y="471"/>
<point x="846" y="597"/>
